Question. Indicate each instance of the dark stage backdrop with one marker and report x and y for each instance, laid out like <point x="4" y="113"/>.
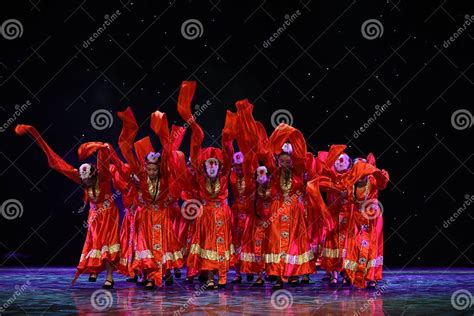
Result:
<point x="390" y="77"/>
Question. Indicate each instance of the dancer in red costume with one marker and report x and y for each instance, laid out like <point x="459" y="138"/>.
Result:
<point x="359" y="239"/>
<point x="251" y="200"/>
<point x="330" y="167"/>
<point x="287" y="247"/>
<point x="363" y="259"/>
<point x="124" y="182"/>
<point x="101" y="248"/>
<point x="211" y="243"/>
<point x="157" y="250"/>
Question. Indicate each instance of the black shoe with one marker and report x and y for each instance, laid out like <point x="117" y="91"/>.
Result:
<point x="188" y="281"/>
<point x="108" y="286"/>
<point x="150" y="285"/>
<point x="326" y="278"/>
<point x="277" y="286"/>
<point x="211" y="285"/>
<point x="221" y="286"/>
<point x="177" y="273"/>
<point x="294" y="282"/>
<point x="305" y="281"/>
<point x="142" y="282"/>
<point x="134" y="279"/>
<point x="346" y="282"/>
<point x="169" y="280"/>
<point x="249" y="277"/>
<point x="237" y="280"/>
<point x="202" y="277"/>
<point x="92" y="278"/>
<point x="270" y="278"/>
<point x="371" y="285"/>
<point x="258" y="283"/>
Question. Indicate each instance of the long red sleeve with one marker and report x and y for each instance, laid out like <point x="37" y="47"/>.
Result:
<point x="54" y="161"/>
<point x="127" y="138"/>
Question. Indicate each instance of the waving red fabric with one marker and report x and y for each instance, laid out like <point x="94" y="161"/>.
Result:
<point x="54" y="161"/>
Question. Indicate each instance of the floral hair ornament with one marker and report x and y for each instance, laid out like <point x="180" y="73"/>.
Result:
<point x="262" y="174"/>
<point x="86" y="170"/>
<point x="287" y="148"/>
<point x="238" y="158"/>
<point x="343" y="163"/>
<point x="152" y="158"/>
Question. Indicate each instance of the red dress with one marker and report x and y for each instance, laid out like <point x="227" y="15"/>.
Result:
<point x="340" y="210"/>
<point x="157" y="247"/>
<point x="243" y="189"/>
<point x="211" y="246"/>
<point x="287" y="247"/>
<point x="364" y="262"/>
<point x="251" y="257"/>
<point x="102" y="240"/>
<point x="121" y="181"/>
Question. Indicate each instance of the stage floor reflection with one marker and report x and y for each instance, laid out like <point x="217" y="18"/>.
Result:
<point x="408" y="291"/>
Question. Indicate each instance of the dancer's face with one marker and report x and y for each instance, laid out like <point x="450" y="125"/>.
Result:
<point x="152" y="170"/>
<point x="212" y="167"/>
<point x="284" y="161"/>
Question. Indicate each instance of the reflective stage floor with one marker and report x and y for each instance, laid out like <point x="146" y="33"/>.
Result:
<point x="408" y="292"/>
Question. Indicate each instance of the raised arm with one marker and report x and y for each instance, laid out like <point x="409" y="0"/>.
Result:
<point x="247" y="138"/>
<point x="103" y="157"/>
<point x="54" y="161"/>
<point x="185" y="97"/>
<point x="159" y="125"/>
<point x="228" y="135"/>
<point x="285" y="132"/>
<point x="127" y="138"/>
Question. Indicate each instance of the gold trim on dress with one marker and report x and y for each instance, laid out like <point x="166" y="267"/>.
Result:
<point x="172" y="256"/>
<point x="286" y="185"/>
<point x="289" y="259"/>
<point x="210" y="254"/>
<point x="333" y="253"/>
<point x="213" y="188"/>
<point x="96" y="253"/>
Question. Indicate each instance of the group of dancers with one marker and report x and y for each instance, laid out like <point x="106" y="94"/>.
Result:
<point x="292" y="211"/>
